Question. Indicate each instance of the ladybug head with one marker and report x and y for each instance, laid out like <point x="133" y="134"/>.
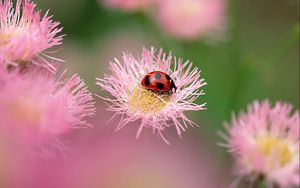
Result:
<point x="173" y="87"/>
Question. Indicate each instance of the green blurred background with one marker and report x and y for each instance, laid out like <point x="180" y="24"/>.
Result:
<point x="257" y="59"/>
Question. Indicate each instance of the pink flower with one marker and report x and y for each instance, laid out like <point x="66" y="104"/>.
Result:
<point x="157" y="111"/>
<point x="265" y="142"/>
<point x="190" y="19"/>
<point x="36" y="109"/>
<point x="25" y="35"/>
<point x="128" y="5"/>
<point x="2" y="66"/>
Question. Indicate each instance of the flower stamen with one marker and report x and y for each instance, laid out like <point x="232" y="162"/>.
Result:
<point x="145" y="101"/>
<point x="25" y="111"/>
<point x="274" y="146"/>
<point x="5" y="37"/>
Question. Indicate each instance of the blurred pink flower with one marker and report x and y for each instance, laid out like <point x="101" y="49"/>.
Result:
<point x="265" y="142"/>
<point x="25" y="35"/>
<point x="103" y="159"/>
<point x="133" y="102"/>
<point x="36" y="109"/>
<point x="116" y="160"/>
<point x="191" y="19"/>
<point x="128" y="5"/>
<point x="2" y="66"/>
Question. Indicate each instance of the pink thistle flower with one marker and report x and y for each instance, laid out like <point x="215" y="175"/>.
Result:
<point x="25" y="35"/>
<point x="157" y="111"/>
<point x="2" y="67"/>
<point x="36" y="109"/>
<point x="191" y="19"/>
<point x="128" y="5"/>
<point x="264" y="142"/>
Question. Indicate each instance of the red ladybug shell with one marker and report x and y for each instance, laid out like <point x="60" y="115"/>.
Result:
<point x="158" y="81"/>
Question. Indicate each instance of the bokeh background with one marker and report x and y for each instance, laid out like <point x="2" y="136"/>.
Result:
<point x="257" y="57"/>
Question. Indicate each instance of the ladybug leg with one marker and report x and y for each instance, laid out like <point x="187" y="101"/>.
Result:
<point x="175" y="89"/>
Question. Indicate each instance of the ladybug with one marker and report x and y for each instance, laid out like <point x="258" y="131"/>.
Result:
<point x="158" y="81"/>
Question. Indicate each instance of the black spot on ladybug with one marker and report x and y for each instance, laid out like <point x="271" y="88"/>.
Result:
<point x="157" y="76"/>
<point x="168" y="77"/>
<point x="147" y="80"/>
<point x="160" y="86"/>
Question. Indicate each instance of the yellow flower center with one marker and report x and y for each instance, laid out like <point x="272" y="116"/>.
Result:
<point x="4" y="38"/>
<point x="25" y="111"/>
<point x="145" y="101"/>
<point x="274" y="146"/>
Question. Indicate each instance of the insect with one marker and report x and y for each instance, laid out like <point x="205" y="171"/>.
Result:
<point x="158" y="81"/>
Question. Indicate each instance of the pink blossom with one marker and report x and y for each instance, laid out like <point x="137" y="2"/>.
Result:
<point x="157" y="111"/>
<point x="265" y="142"/>
<point x="25" y="35"/>
<point x="100" y="158"/>
<point x="190" y="19"/>
<point x="36" y="109"/>
<point x="128" y="5"/>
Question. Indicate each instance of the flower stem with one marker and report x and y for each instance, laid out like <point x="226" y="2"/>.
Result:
<point x="261" y="183"/>
<point x="235" y="55"/>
